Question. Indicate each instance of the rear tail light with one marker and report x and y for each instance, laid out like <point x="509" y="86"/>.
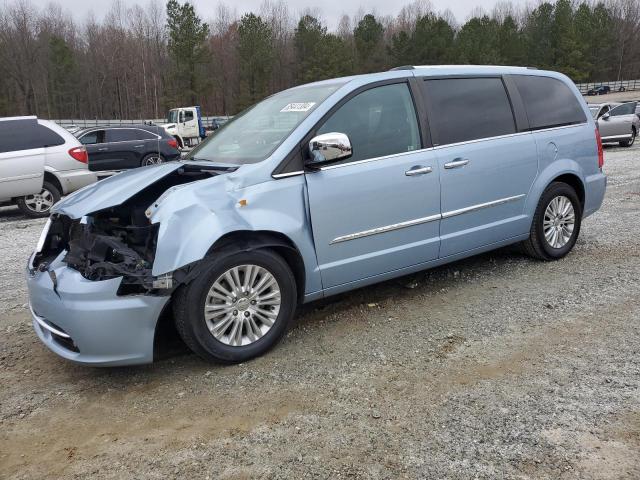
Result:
<point x="173" y="143"/>
<point x="80" y="154"/>
<point x="600" y="151"/>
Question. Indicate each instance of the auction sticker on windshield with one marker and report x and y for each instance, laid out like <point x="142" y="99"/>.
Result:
<point x="298" y="107"/>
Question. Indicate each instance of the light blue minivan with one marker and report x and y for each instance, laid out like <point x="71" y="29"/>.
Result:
<point x="316" y="190"/>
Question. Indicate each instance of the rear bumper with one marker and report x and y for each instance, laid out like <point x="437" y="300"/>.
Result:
<point x="595" y="188"/>
<point x="88" y="323"/>
<point x="72" y="180"/>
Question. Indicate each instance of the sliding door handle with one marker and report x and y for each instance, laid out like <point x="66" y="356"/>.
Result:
<point x="457" y="163"/>
<point x="418" y="170"/>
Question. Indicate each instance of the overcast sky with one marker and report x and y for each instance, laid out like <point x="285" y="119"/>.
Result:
<point x="330" y="10"/>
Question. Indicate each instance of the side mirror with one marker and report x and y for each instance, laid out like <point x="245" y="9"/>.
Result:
<point x="330" y="147"/>
<point x="606" y="116"/>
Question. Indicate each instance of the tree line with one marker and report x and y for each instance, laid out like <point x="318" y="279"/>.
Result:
<point x="137" y="62"/>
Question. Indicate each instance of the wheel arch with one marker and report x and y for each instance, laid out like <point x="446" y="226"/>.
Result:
<point x="247" y="240"/>
<point x="574" y="182"/>
<point x="566" y="171"/>
<point x="52" y="179"/>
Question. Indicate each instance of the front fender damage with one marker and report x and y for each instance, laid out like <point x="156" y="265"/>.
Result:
<point x="120" y="241"/>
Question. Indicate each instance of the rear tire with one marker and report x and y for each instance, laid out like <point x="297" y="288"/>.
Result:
<point x="39" y="205"/>
<point x="242" y="323"/>
<point x="553" y="236"/>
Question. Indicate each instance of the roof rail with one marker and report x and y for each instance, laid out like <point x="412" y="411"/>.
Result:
<point x="532" y="68"/>
<point x="403" y="67"/>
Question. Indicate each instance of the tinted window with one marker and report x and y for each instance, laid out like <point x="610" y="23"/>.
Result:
<point x="144" y="135"/>
<point x="188" y="116"/>
<point x="121" y="135"/>
<point x="466" y="109"/>
<point x="92" y="138"/>
<point x="26" y="135"/>
<point x="381" y="121"/>
<point x="625" y="109"/>
<point x="548" y="102"/>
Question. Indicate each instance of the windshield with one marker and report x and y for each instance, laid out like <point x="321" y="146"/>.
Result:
<point x="173" y="116"/>
<point x="253" y="135"/>
<point x="594" y="110"/>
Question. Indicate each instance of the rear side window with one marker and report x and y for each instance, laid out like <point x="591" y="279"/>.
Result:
<point x="464" y="109"/>
<point x="379" y="122"/>
<point x="26" y="134"/>
<point x="121" y="135"/>
<point x="625" y="109"/>
<point x="548" y="102"/>
<point x="144" y="135"/>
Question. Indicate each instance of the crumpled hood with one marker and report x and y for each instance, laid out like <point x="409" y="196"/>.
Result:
<point x="112" y="191"/>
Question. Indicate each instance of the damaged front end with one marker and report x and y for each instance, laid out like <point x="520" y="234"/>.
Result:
<point x="117" y="241"/>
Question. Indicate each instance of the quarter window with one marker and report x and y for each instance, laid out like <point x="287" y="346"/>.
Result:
<point x="380" y="121"/>
<point x="548" y="102"/>
<point x="464" y="109"/>
<point x="144" y="135"/>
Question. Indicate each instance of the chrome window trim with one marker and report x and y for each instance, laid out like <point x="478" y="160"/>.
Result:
<point x="439" y="147"/>
<point x="374" y="159"/>
<point x="97" y="129"/>
<point x="419" y="221"/>
<point x="387" y="228"/>
<point x="288" y="174"/>
<point x="480" y="206"/>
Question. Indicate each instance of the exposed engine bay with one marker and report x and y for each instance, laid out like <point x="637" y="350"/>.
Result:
<point x="118" y="241"/>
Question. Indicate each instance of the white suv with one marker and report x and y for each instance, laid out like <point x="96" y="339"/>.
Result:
<point x="39" y="162"/>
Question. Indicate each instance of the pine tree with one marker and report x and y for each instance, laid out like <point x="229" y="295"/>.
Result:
<point x="187" y="50"/>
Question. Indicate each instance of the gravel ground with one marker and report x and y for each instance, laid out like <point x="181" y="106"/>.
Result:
<point x="493" y="367"/>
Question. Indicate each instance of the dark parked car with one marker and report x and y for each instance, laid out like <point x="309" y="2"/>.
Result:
<point x="121" y="148"/>
<point x="601" y="90"/>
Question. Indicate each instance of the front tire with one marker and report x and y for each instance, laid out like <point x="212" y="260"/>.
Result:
<point x="556" y="223"/>
<point x="628" y="143"/>
<point x="238" y="308"/>
<point x="39" y="204"/>
<point x="152" y="159"/>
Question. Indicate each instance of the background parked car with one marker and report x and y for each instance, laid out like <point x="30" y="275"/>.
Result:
<point x="39" y="162"/>
<point x="121" y="148"/>
<point x="601" y="90"/>
<point x="617" y="122"/>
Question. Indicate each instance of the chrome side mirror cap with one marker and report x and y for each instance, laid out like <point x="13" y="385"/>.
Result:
<point x="606" y="116"/>
<point x="330" y="147"/>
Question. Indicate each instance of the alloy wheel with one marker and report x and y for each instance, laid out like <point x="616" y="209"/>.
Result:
<point x="152" y="160"/>
<point x="39" y="202"/>
<point x="559" y="221"/>
<point x="242" y="305"/>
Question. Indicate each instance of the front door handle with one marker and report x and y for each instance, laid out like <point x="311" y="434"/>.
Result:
<point x="103" y="149"/>
<point x="457" y="163"/>
<point x="418" y="170"/>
